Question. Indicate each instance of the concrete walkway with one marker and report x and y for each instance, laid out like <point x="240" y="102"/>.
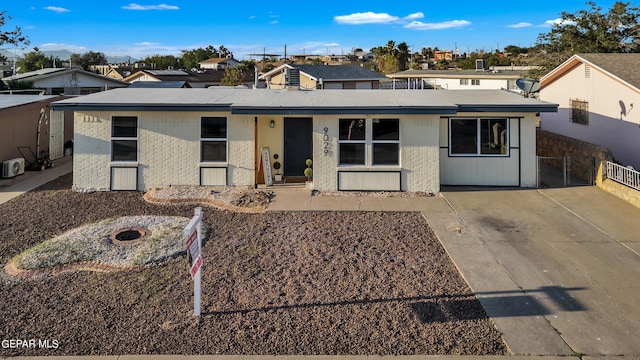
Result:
<point x="557" y="270"/>
<point x="12" y="188"/>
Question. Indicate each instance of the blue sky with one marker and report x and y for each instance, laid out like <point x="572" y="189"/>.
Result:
<point x="152" y="27"/>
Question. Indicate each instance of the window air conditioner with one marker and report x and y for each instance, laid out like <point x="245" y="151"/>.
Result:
<point x="13" y="167"/>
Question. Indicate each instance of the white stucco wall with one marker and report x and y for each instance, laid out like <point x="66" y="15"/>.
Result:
<point x="485" y="84"/>
<point x="516" y="169"/>
<point x="168" y="150"/>
<point x="609" y="125"/>
<point x="418" y="152"/>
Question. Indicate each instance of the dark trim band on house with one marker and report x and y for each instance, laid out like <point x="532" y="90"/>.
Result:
<point x="142" y="107"/>
<point x="297" y="110"/>
<point x="507" y="108"/>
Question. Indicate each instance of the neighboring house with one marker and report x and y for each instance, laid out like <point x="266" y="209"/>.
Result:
<point x="218" y="63"/>
<point x="195" y="79"/>
<point x="457" y="79"/>
<point x="137" y="139"/>
<point x="19" y="118"/>
<point x="310" y="77"/>
<point x="597" y="94"/>
<point x="59" y="81"/>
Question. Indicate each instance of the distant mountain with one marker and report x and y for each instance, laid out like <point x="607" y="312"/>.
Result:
<point x="66" y="55"/>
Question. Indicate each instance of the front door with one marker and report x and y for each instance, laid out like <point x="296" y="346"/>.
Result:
<point x="297" y="145"/>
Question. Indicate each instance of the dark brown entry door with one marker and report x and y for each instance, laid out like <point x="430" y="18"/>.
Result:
<point x="297" y="145"/>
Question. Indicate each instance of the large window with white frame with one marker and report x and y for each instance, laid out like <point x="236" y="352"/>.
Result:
<point x="359" y="145"/>
<point x="479" y="137"/>
<point x="213" y="139"/>
<point x="124" y="138"/>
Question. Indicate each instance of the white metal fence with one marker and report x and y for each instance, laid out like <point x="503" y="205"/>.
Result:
<point x="623" y="175"/>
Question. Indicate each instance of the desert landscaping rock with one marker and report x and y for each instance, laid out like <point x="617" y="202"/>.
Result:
<point x="273" y="283"/>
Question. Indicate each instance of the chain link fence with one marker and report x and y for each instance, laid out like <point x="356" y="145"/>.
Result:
<point x="565" y="171"/>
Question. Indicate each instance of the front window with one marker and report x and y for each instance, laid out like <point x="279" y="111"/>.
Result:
<point x="475" y="82"/>
<point x="213" y="139"/>
<point x="383" y="142"/>
<point x="352" y="141"/>
<point x="124" y="138"/>
<point x="478" y="137"/>
<point x="464" y="81"/>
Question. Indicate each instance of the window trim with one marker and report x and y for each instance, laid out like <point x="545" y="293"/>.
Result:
<point x="478" y="153"/>
<point x="395" y="141"/>
<point x="125" y="138"/>
<point x="369" y="143"/>
<point x="215" y="139"/>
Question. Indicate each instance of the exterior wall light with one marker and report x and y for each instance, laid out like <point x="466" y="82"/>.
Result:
<point x="272" y="124"/>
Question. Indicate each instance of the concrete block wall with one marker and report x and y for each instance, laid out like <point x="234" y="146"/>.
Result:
<point x="418" y="162"/>
<point x="92" y="149"/>
<point x="168" y="150"/>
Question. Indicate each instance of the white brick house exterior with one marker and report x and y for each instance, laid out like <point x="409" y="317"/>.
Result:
<point x="137" y="139"/>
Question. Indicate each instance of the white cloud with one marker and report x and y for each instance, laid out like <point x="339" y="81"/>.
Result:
<point x="519" y="25"/>
<point x="558" y="21"/>
<point x="134" y="6"/>
<point x="57" y="9"/>
<point x="418" y="15"/>
<point x="419" y="25"/>
<point x="365" y="18"/>
<point x="273" y="22"/>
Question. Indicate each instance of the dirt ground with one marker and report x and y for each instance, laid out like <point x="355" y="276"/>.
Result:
<point x="281" y="283"/>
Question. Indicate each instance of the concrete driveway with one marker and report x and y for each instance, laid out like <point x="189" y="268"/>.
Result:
<point x="558" y="270"/>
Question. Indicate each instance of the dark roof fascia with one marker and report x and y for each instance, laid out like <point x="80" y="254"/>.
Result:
<point x="508" y="108"/>
<point x="141" y="107"/>
<point x="351" y="110"/>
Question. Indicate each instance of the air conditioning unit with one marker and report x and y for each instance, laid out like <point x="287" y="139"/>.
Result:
<point x="13" y="167"/>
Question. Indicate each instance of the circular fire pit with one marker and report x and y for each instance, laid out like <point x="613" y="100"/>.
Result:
<point x="129" y="235"/>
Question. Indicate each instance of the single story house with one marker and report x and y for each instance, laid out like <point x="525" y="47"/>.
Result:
<point x="20" y="120"/>
<point x="597" y="94"/>
<point x="194" y="79"/>
<point x="311" y="77"/>
<point x="64" y="81"/>
<point x="457" y="79"/>
<point x="137" y="139"/>
<point x="218" y="63"/>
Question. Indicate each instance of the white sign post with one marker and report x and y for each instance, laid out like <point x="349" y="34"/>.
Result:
<point x="193" y="234"/>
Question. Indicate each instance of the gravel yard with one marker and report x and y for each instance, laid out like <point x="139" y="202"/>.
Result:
<point x="273" y="283"/>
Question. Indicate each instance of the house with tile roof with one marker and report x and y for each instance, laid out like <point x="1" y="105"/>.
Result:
<point x="311" y="77"/>
<point x="597" y="95"/>
<point x="58" y="81"/>
<point x="365" y="140"/>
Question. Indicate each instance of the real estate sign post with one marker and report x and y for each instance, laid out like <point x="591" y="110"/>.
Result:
<point x="193" y="234"/>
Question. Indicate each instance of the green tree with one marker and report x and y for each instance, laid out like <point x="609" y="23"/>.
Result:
<point x="164" y="61"/>
<point x="191" y="58"/>
<point x="87" y="59"/>
<point x="14" y="37"/>
<point x="35" y="60"/>
<point x="403" y="55"/>
<point x="595" y="31"/>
